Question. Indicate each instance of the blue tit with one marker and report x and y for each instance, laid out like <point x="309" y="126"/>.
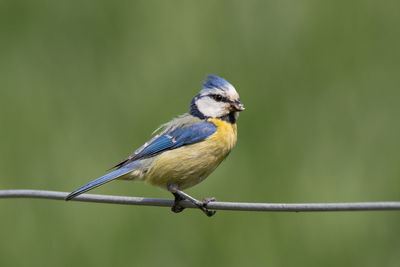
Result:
<point x="185" y="150"/>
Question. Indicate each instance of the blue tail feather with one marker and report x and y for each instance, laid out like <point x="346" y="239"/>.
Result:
<point x="100" y="181"/>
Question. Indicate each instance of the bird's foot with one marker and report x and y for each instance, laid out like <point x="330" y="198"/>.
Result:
<point x="180" y="195"/>
<point x="203" y="207"/>
<point x="176" y="207"/>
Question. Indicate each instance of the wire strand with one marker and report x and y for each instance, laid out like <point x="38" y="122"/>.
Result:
<point x="241" y="206"/>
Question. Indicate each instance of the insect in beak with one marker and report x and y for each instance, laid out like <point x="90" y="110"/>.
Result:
<point x="237" y="105"/>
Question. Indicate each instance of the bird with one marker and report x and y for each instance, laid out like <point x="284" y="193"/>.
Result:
<point x="185" y="150"/>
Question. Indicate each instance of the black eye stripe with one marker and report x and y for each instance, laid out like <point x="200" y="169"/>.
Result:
<point x="219" y="98"/>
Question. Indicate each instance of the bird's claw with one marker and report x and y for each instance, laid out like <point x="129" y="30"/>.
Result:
<point x="208" y="200"/>
<point x="203" y="206"/>
<point x="177" y="208"/>
<point x="207" y="212"/>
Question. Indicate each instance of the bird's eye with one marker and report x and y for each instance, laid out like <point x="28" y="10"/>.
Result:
<point x="218" y="98"/>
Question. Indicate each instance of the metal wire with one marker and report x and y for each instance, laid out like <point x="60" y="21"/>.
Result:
<point x="296" y="207"/>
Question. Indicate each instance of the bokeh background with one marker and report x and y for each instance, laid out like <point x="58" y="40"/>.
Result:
<point x="84" y="83"/>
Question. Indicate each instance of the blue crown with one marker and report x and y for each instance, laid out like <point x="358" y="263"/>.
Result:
<point x="213" y="81"/>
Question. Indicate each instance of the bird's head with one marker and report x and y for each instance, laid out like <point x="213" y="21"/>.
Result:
<point x="217" y="99"/>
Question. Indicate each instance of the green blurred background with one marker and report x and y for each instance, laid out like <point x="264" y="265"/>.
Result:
<point x="84" y="83"/>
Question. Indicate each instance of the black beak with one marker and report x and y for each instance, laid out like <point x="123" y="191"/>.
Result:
<point x="238" y="106"/>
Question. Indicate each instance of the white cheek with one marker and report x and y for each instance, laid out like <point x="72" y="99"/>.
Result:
<point x="211" y="108"/>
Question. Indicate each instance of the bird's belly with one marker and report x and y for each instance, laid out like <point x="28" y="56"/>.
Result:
<point x="189" y="165"/>
<point x="185" y="166"/>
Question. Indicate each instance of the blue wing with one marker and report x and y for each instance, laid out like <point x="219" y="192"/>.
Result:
<point x="171" y="140"/>
<point x="177" y="138"/>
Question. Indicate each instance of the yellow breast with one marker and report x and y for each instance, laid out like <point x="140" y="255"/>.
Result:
<point x="191" y="164"/>
<point x="226" y="135"/>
